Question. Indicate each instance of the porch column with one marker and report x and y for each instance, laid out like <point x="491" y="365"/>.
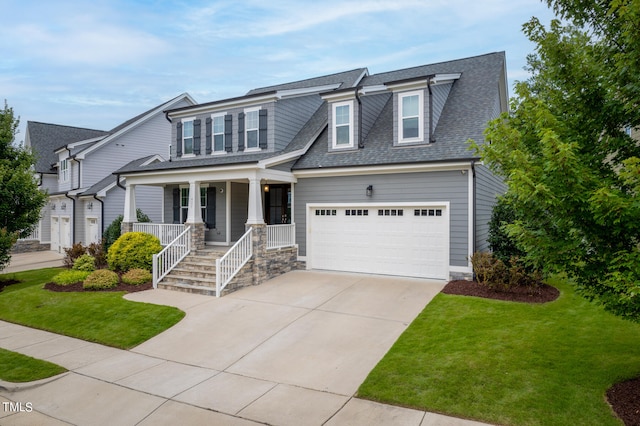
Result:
<point x="255" y="216"/>
<point x="130" y="204"/>
<point x="193" y="213"/>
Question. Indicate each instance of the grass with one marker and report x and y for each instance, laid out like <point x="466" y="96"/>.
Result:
<point x="18" y="368"/>
<point x="510" y="363"/>
<point x="101" y="317"/>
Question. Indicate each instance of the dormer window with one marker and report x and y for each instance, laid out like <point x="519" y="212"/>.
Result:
<point x="411" y="117"/>
<point x="64" y="170"/>
<point x="187" y="137"/>
<point x="343" y="125"/>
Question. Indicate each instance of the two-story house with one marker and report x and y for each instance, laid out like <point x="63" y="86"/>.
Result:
<point x="75" y="167"/>
<point x="369" y="173"/>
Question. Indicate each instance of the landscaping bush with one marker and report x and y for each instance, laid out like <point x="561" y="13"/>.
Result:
<point x="86" y="262"/>
<point x="70" y="277"/>
<point x="99" y="254"/>
<point x="133" y="250"/>
<point x="101" y="279"/>
<point x="496" y="274"/>
<point x="72" y="253"/>
<point x="114" y="230"/>
<point x="137" y="276"/>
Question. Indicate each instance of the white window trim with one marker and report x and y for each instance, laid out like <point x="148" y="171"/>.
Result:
<point x="246" y="131"/>
<point x="64" y="171"/>
<point x="334" y="138"/>
<point x="420" y="138"/>
<point x="184" y="154"/>
<point x="213" y="144"/>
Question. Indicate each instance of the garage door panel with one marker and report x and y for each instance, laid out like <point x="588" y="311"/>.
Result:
<point x="381" y="239"/>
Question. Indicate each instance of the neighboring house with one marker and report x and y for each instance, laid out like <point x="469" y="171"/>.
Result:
<point x="370" y="173"/>
<point x="76" y="165"/>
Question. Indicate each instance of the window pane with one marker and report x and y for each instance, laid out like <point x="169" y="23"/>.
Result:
<point x="252" y="139"/>
<point x="187" y="129"/>
<point x="342" y="115"/>
<point x="184" y="197"/>
<point x="410" y="128"/>
<point x="251" y="120"/>
<point x="188" y="146"/>
<point x="218" y="124"/>
<point x="342" y="135"/>
<point x="410" y="106"/>
<point x="218" y="143"/>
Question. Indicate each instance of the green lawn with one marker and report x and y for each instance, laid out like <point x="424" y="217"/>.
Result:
<point x="510" y="363"/>
<point x="18" y="368"/>
<point x="101" y="317"/>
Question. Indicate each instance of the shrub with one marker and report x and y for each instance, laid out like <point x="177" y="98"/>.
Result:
<point x="137" y="276"/>
<point x="101" y="279"/>
<point x="133" y="250"/>
<point x="114" y="230"/>
<point x="502" y="245"/>
<point x="86" y="262"/>
<point x="72" y="253"/>
<point x="489" y="270"/>
<point x="99" y="254"/>
<point x="70" y="277"/>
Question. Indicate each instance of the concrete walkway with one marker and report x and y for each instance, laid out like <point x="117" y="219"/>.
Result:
<point x="33" y="260"/>
<point x="292" y="351"/>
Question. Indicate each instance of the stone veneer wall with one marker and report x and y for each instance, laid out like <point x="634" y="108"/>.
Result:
<point x="27" y="246"/>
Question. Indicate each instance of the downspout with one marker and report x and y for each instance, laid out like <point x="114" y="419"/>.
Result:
<point x="473" y="185"/>
<point x="431" y="138"/>
<point x="118" y="182"/>
<point x="73" y="227"/>
<point x="101" y="213"/>
<point x="359" y="129"/>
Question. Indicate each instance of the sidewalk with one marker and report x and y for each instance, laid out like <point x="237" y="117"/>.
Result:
<point x="33" y="260"/>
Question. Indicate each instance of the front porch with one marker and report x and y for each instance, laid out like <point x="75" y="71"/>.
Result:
<point x="220" y="226"/>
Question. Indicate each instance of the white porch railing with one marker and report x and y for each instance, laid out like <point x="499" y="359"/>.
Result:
<point x="165" y="232"/>
<point x="279" y="236"/>
<point x="35" y="234"/>
<point x="171" y="255"/>
<point x="231" y="263"/>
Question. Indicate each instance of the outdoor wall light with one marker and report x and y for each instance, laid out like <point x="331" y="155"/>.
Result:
<point x="90" y="206"/>
<point x="266" y="188"/>
<point x="63" y="206"/>
<point x="53" y="206"/>
<point x="369" y="190"/>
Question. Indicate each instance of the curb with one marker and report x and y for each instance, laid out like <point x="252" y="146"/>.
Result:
<point x="17" y="387"/>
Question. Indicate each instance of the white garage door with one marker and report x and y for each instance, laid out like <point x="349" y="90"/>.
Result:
<point x="407" y="240"/>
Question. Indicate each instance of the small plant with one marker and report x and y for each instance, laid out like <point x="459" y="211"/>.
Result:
<point x="86" y="262"/>
<point x="133" y="250"/>
<point x="72" y="253"/>
<point x="101" y="279"/>
<point x="70" y="277"/>
<point x="496" y="274"/>
<point x="137" y="276"/>
<point x="99" y="254"/>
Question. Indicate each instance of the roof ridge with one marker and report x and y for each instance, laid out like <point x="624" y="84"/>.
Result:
<point x="66" y="125"/>
<point x="309" y="79"/>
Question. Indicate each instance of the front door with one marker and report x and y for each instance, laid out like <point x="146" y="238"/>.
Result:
<point x="277" y="202"/>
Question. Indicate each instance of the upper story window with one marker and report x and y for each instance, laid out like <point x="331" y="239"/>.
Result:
<point x="411" y="117"/>
<point x="217" y="126"/>
<point x="251" y="122"/>
<point x="187" y="136"/>
<point x="342" y="125"/>
<point x="64" y="170"/>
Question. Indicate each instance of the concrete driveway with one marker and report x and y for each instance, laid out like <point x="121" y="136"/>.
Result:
<point x="292" y="351"/>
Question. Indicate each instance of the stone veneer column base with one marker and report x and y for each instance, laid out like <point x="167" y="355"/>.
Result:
<point x="197" y="235"/>
<point x="126" y="227"/>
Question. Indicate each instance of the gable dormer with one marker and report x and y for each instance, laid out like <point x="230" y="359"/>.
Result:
<point x="344" y="108"/>
<point x="417" y="105"/>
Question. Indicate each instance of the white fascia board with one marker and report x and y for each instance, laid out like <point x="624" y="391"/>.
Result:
<point x="366" y="90"/>
<point x="80" y="143"/>
<point x="340" y="96"/>
<point x="77" y="191"/>
<point x="82" y="155"/>
<point x="385" y="169"/>
<point x="305" y="91"/>
<point x="364" y="74"/>
<point x="408" y="85"/>
<point x="445" y="78"/>
<point x="222" y="105"/>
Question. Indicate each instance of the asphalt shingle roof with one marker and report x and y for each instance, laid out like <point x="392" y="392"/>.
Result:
<point x="347" y="79"/>
<point x="45" y="138"/>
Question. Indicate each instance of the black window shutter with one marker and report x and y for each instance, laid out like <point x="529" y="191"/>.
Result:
<point x="176" y="205"/>
<point x="208" y="135"/>
<point x="179" y="139"/>
<point x="241" y="131"/>
<point x="228" y="140"/>
<point x="262" y="129"/>
<point x="196" y="136"/>
<point x="210" y="220"/>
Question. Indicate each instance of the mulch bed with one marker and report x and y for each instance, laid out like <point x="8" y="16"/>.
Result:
<point x="6" y="283"/>
<point x="78" y="287"/>
<point x="623" y="397"/>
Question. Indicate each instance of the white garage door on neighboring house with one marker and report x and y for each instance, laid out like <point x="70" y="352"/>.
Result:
<point x="401" y="239"/>
<point x="55" y="233"/>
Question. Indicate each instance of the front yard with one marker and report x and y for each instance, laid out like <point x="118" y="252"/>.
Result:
<point x="510" y="363"/>
<point x="100" y="317"/>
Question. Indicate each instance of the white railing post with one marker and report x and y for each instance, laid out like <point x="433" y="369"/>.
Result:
<point x="155" y="271"/>
<point x="230" y="264"/>
<point x="171" y="255"/>
<point x="280" y="236"/>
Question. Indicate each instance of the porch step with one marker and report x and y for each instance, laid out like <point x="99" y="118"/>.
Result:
<point x="188" y="288"/>
<point x="196" y="273"/>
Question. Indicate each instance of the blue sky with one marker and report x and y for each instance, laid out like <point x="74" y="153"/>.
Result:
<point x="96" y="64"/>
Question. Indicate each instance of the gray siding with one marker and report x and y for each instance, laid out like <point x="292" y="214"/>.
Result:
<point x="219" y="233"/>
<point x="407" y="187"/>
<point x="440" y="94"/>
<point x="291" y="115"/>
<point x="239" y="208"/>
<point x="488" y="188"/>
<point x="149" y="200"/>
<point x="113" y="205"/>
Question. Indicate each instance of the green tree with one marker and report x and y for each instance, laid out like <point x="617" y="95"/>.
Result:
<point x="20" y="198"/>
<point x="573" y="175"/>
